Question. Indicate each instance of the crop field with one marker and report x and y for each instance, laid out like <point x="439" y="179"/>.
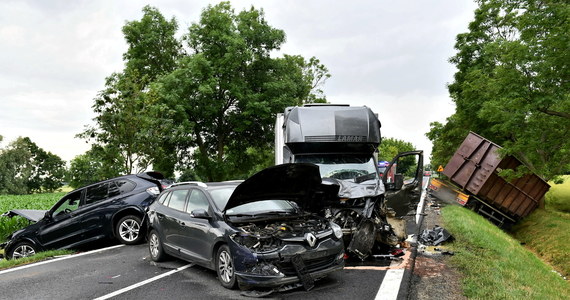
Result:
<point x="34" y="201"/>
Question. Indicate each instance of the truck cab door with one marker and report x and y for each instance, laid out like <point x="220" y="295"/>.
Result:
<point x="403" y="182"/>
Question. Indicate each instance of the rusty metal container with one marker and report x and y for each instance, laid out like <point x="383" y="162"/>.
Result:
<point x="475" y="167"/>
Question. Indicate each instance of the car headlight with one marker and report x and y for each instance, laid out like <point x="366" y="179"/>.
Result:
<point x="337" y="230"/>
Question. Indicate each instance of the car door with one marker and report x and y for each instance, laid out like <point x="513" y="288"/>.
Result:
<point x="95" y="211"/>
<point x="171" y="216"/>
<point x="62" y="227"/>
<point x="195" y="232"/>
<point x="403" y="181"/>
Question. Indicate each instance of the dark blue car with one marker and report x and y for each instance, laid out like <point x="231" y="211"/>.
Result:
<point x="113" y="208"/>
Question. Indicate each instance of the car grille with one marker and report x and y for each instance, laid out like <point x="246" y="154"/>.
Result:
<point x="312" y="265"/>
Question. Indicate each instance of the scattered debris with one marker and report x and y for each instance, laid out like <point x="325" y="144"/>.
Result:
<point x="435" y="236"/>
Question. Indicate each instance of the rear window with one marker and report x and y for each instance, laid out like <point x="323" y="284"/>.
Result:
<point x="125" y="185"/>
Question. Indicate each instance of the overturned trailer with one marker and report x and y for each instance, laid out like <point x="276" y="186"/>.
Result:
<point x="343" y="141"/>
<point x="475" y="168"/>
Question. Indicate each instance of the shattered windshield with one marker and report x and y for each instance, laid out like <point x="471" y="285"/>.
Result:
<point x="343" y="167"/>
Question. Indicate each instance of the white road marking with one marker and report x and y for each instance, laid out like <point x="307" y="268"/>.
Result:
<point x="134" y="286"/>
<point x="390" y="285"/>
<point x="393" y="279"/>
<point x="57" y="259"/>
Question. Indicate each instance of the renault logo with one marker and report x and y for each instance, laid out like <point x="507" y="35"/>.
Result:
<point x="311" y="239"/>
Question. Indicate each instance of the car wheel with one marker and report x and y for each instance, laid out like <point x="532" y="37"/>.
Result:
<point x="225" y="267"/>
<point x="22" y="249"/>
<point x="128" y="230"/>
<point x="155" y="247"/>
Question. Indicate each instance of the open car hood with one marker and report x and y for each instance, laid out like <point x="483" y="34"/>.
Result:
<point x="299" y="182"/>
<point x="30" y="214"/>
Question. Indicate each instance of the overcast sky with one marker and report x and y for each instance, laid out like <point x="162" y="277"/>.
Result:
<point x="391" y="56"/>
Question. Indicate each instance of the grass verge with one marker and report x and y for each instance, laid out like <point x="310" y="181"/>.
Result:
<point x="5" y="264"/>
<point x="495" y="265"/>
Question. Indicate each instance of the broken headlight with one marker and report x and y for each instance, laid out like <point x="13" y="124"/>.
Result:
<point x="337" y="230"/>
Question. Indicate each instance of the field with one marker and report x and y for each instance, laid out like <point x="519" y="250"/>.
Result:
<point x="34" y="201"/>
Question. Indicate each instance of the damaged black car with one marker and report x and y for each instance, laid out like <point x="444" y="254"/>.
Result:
<point x="260" y="233"/>
<point x="114" y="208"/>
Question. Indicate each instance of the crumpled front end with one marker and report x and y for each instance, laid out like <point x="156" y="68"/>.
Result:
<point x="287" y="254"/>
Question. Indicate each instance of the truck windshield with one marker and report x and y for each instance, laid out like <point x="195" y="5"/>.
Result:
<point x="343" y="167"/>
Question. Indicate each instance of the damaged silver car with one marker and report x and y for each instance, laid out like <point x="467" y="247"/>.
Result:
<point x="261" y="233"/>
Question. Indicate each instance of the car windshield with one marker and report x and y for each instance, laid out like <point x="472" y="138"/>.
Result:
<point x="263" y="207"/>
<point x="343" y="167"/>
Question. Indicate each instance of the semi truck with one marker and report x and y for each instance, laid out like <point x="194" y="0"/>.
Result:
<point x="343" y="142"/>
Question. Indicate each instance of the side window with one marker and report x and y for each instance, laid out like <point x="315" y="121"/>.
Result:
<point x="197" y="200"/>
<point x="162" y="198"/>
<point x="178" y="199"/>
<point x="125" y="185"/>
<point x="68" y="204"/>
<point x="96" y="193"/>
<point x="113" y="189"/>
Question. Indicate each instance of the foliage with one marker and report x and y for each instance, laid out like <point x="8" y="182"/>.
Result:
<point x="120" y="125"/>
<point x="513" y="84"/>
<point x="35" y="201"/>
<point x="26" y="168"/>
<point x="206" y="102"/>
<point x="95" y="165"/>
<point x="495" y="265"/>
<point x="390" y="147"/>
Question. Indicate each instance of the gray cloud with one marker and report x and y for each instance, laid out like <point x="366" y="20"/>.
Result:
<point x="389" y="55"/>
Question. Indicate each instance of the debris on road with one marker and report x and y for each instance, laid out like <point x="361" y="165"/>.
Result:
<point x="435" y="236"/>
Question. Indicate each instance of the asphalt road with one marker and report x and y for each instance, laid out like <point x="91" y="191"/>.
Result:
<point x="126" y="272"/>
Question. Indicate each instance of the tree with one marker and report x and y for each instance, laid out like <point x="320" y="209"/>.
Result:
<point x="513" y="84"/>
<point x="121" y="123"/>
<point x="221" y="101"/>
<point x="26" y="168"/>
<point x="93" y="166"/>
<point x="390" y="147"/>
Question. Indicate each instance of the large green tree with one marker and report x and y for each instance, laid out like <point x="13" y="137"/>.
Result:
<point x="121" y="124"/>
<point x="206" y="102"/>
<point x="513" y="84"/>
<point x="26" y="168"/>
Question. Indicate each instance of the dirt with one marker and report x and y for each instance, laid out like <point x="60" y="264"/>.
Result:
<point x="433" y="276"/>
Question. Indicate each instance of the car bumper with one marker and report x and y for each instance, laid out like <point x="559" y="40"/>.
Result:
<point x="247" y="280"/>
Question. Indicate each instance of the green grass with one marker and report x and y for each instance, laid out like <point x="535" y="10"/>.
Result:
<point x="558" y="198"/>
<point x="5" y="264"/>
<point x="494" y="264"/>
<point x="546" y="232"/>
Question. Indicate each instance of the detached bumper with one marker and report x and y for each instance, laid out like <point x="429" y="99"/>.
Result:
<point x="286" y="277"/>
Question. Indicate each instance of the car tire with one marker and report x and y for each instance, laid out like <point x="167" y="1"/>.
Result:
<point x="129" y="230"/>
<point x="225" y="267"/>
<point x="155" y="247"/>
<point x="22" y="249"/>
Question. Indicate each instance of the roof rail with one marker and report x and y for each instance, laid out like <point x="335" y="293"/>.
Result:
<point x="197" y="183"/>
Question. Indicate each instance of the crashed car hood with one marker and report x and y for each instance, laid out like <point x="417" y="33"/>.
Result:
<point x="299" y="182"/>
<point x="30" y="214"/>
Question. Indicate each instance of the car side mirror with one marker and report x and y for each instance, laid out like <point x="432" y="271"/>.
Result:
<point x="47" y="216"/>
<point x="200" y="214"/>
